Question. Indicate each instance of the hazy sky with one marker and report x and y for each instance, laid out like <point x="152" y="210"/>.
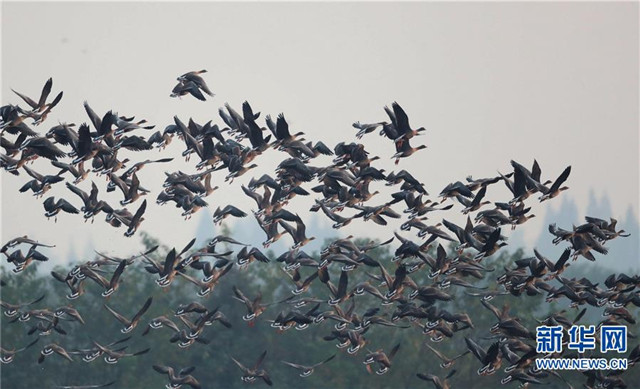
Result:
<point x="491" y="82"/>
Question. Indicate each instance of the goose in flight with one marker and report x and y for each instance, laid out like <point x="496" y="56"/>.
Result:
<point x="306" y="371"/>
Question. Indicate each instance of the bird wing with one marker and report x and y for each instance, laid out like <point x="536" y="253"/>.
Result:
<point x="560" y="180"/>
<point x="476" y="349"/>
<point x="139" y="212"/>
<point x="438" y="354"/>
<point x="566" y="254"/>
<point x="27" y="346"/>
<point x="26" y="99"/>
<point x="402" y="120"/>
<point x="342" y="284"/>
<point x="240" y="365"/>
<point x="142" y="310"/>
<point x="260" y="360"/>
<point x="186" y="371"/>
<point x="394" y="351"/>
<point x="282" y="128"/>
<point x="240" y="296"/>
<point x="430" y="377"/>
<point x="163" y="369"/>
<point x="294" y="365"/>
<point x="96" y="277"/>
<point x="263" y="374"/>
<point x="66" y="206"/>
<point x="118" y="316"/>
<point x="493" y="309"/>
<point x="117" y="273"/>
<point x="325" y="361"/>
<point x="187" y="247"/>
<point x="79" y="192"/>
<point x="192" y="88"/>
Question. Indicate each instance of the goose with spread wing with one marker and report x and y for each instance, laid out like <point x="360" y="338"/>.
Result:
<point x="130" y="324"/>
<point x="306" y="371"/>
<point x="178" y="378"/>
<point x="250" y="374"/>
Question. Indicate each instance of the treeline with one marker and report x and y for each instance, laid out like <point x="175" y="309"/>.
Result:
<point x="245" y="341"/>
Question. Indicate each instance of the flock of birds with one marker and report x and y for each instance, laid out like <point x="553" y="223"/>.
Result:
<point x="343" y="195"/>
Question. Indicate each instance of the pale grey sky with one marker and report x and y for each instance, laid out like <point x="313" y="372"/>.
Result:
<point x="491" y="82"/>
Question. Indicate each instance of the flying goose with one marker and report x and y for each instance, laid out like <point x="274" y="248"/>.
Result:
<point x="113" y="284"/>
<point x="40" y="314"/>
<point x="53" y="348"/>
<point x="400" y="121"/>
<point x="103" y="126"/>
<point x="184" y="341"/>
<point x="53" y="207"/>
<point x="489" y="247"/>
<point x="404" y="149"/>
<point x="63" y="134"/>
<point x="437" y="382"/>
<point x="40" y="184"/>
<point x="42" y="101"/>
<point x="301" y="286"/>
<point x="555" y="189"/>
<point x="131" y="192"/>
<point x="237" y="169"/>
<point x="113" y="356"/>
<point x="7" y="356"/>
<point x="355" y="340"/>
<point x="92" y="205"/>
<point x="250" y="374"/>
<point x="22" y="240"/>
<point x="130" y="261"/>
<point x="364" y="129"/>
<point x="84" y="148"/>
<point x="221" y="214"/>
<point x="395" y="284"/>
<point x="339" y="220"/>
<point x="130" y="324"/>
<point x="159" y="322"/>
<point x="380" y="357"/>
<point x="41" y="116"/>
<point x="487" y="295"/>
<point x="446" y="362"/>
<point x="194" y="76"/>
<point x="11" y="310"/>
<point x="45" y="326"/>
<point x="134" y="223"/>
<point x="476" y="203"/>
<point x="298" y="234"/>
<point x="287" y="319"/>
<point x="555" y="268"/>
<point x="195" y="328"/>
<point x="212" y="276"/>
<point x="188" y="87"/>
<point x="69" y="311"/>
<point x="308" y="370"/>
<point x="521" y="375"/>
<point x="191" y="307"/>
<point x="271" y="230"/>
<point x="282" y="134"/>
<point x="255" y="307"/>
<point x="245" y="256"/>
<point x="225" y="239"/>
<point x="183" y="376"/>
<point x="167" y="271"/>
<point x="21" y="261"/>
<point x="491" y="359"/>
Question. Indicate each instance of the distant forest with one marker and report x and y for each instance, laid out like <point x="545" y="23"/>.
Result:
<point x="245" y="342"/>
